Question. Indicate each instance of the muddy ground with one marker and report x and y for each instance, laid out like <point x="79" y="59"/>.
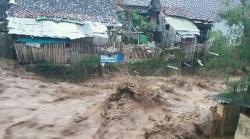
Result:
<point x="118" y="108"/>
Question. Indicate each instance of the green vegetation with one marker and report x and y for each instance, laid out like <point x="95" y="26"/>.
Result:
<point x="148" y="67"/>
<point x="139" y="22"/>
<point x="237" y="92"/>
<point x="236" y="56"/>
<point x="228" y="60"/>
<point x="83" y="67"/>
<point x="240" y="17"/>
<point x="233" y="49"/>
<point x="50" y="70"/>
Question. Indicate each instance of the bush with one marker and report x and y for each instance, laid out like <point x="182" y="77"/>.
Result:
<point x="148" y="67"/>
<point x="51" y="70"/>
<point x="237" y="92"/>
<point x="83" y="67"/>
<point x="111" y="68"/>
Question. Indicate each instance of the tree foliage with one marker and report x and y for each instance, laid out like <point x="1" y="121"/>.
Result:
<point x="227" y="61"/>
<point x="238" y="92"/>
<point x="234" y="51"/>
<point x="139" y="22"/>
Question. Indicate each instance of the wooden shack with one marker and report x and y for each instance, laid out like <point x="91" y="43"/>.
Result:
<point x="54" y="32"/>
<point x="61" y="51"/>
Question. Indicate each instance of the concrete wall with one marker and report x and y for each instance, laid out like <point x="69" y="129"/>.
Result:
<point x="230" y="116"/>
<point x="243" y="130"/>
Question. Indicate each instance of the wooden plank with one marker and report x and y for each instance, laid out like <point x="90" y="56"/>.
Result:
<point x="64" y="54"/>
<point x="50" y="52"/>
<point x="25" y="53"/>
<point x="31" y="55"/>
<point x="43" y="52"/>
<point x="59" y="54"/>
<point x="53" y="53"/>
<point x="17" y="53"/>
<point x="32" y="58"/>
<point x="21" y="52"/>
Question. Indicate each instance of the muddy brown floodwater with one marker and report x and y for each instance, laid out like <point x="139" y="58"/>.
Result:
<point x="118" y="108"/>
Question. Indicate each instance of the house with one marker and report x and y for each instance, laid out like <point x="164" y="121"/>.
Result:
<point x="203" y="13"/>
<point x="150" y="9"/>
<point x="181" y="23"/>
<point x="138" y="5"/>
<point x="128" y="7"/>
<point x="59" y="30"/>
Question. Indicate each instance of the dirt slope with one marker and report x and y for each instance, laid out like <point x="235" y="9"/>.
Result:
<point x="118" y="108"/>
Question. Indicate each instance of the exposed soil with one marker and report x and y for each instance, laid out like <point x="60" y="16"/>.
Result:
<point x="117" y="108"/>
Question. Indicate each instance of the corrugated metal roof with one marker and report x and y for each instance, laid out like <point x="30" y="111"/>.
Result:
<point x="32" y="27"/>
<point x="183" y="26"/>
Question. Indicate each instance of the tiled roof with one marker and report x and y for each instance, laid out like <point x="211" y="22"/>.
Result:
<point x="74" y="10"/>
<point x="206" y="10"/>
<point x="136" y="3"/>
